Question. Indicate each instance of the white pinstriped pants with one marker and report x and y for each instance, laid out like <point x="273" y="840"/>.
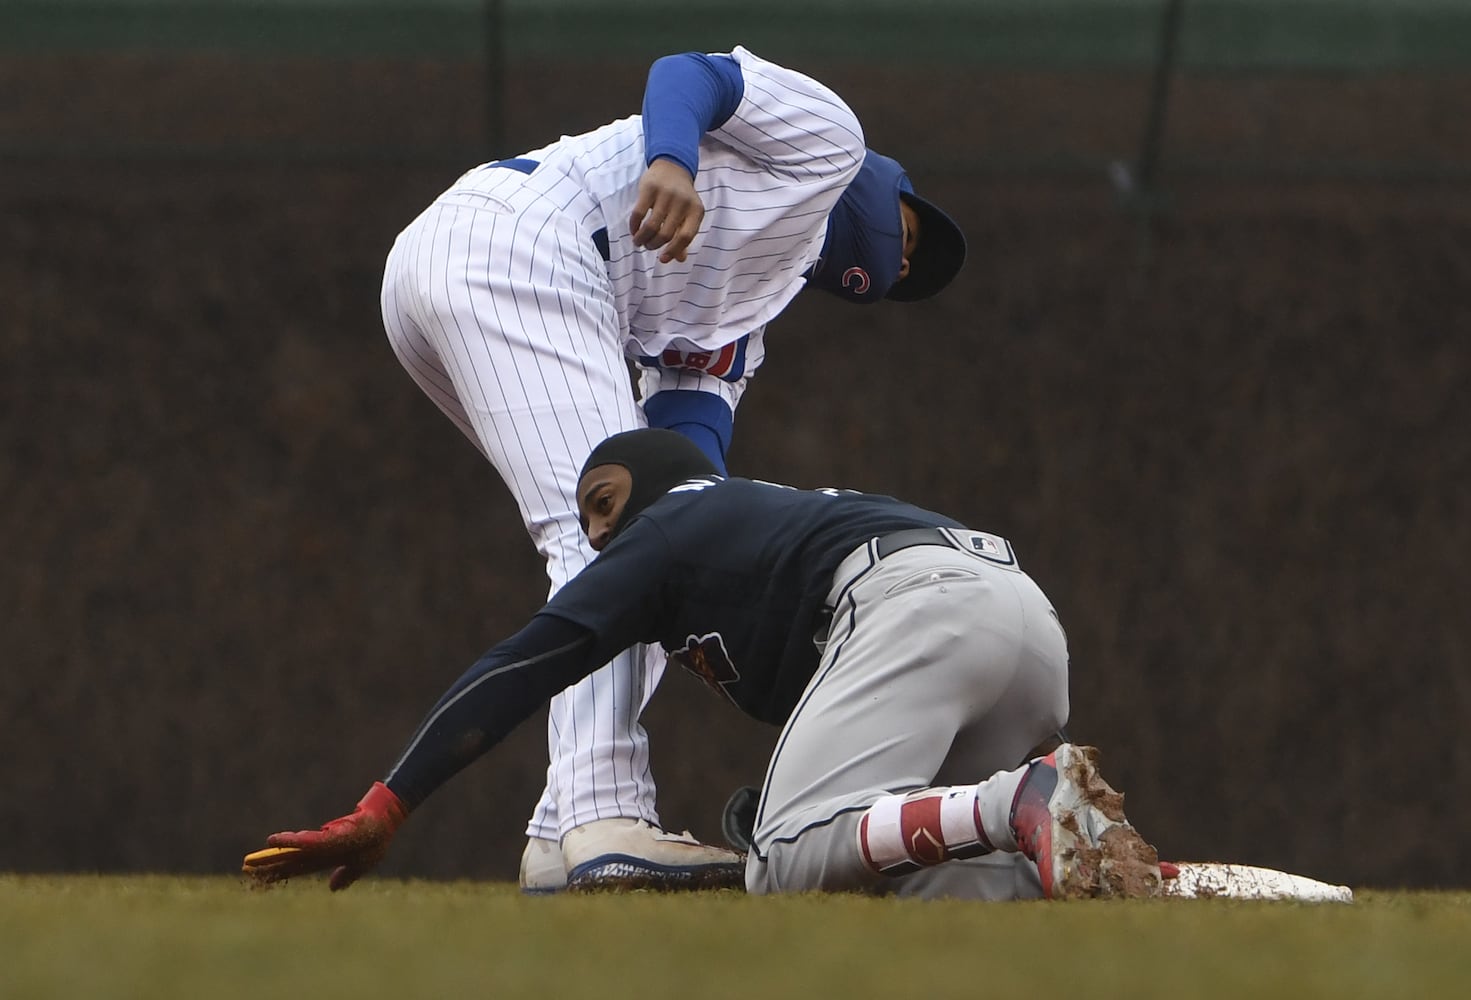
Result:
<point x="497" y="303"/>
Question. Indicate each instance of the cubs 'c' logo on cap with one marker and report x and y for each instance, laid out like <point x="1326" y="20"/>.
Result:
<point x="706" y="658"/>
<point x="856" y="278"/>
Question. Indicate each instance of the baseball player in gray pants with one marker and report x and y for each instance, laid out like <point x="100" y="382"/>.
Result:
<point x="911" y="664"/>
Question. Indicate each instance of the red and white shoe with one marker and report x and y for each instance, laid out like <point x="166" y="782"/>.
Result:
<point x="1069" y="822"/>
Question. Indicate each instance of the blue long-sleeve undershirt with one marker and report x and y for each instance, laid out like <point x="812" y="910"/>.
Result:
<point x="703" y="417"/>
<point x="686" y="96"/>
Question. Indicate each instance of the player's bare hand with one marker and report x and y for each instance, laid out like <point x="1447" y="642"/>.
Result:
<point x="668" y="212"/>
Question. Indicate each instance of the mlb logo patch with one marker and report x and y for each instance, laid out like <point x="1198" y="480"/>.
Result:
<point x="990" y="547"/>
<point x="985" y="545"/>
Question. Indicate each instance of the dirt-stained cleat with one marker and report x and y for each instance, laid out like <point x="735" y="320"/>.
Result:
<point x="627" y="854"/>
<point x="1069" y="821"/>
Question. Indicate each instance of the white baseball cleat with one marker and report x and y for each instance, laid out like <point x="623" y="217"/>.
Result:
<point x="542" y="870"/>
<point x="616" y="854"/>
<point x="631" y="854"/>
<point x="1069" y="821"/>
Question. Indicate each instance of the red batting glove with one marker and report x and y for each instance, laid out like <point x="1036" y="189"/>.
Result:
<point x="350" y="845"/>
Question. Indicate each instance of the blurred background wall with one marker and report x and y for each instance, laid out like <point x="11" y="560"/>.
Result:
<point x="1207" y="367"/>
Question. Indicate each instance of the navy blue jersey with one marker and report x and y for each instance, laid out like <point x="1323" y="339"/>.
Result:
<point x="730" y="577"/>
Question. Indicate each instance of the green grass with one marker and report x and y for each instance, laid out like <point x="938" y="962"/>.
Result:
<point x="163" y="937"/>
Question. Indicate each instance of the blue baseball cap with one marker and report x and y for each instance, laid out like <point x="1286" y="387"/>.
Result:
<point x="865" y="240"/>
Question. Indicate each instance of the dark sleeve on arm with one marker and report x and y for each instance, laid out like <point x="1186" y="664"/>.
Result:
<point x="686" y="96"/>
<point x="502" y="689"/>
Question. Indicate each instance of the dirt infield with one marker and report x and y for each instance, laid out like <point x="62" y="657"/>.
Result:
<point x="243" y="555"/>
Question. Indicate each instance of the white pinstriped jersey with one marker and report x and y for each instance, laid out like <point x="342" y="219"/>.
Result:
<point x="506" y="311"/>
<point x="768" y="178"/>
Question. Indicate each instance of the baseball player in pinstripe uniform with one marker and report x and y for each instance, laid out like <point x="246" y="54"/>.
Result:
<point x="909" y="660"/>
<point x="517" y="300"/>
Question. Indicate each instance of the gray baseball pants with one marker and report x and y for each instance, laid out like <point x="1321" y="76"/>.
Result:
<point x="943" y="664"/>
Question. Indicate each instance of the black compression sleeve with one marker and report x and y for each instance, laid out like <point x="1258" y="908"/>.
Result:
<point x="490" y="699"/>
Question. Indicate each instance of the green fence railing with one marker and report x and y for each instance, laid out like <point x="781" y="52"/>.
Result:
<point x="1343" y="35"/>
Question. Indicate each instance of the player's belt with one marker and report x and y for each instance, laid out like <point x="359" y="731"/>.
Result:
<point x="526" y="165"/>
<point x="976" y="543"/>
<point x="887" y="545"/>
<point x="865" y="558"/>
